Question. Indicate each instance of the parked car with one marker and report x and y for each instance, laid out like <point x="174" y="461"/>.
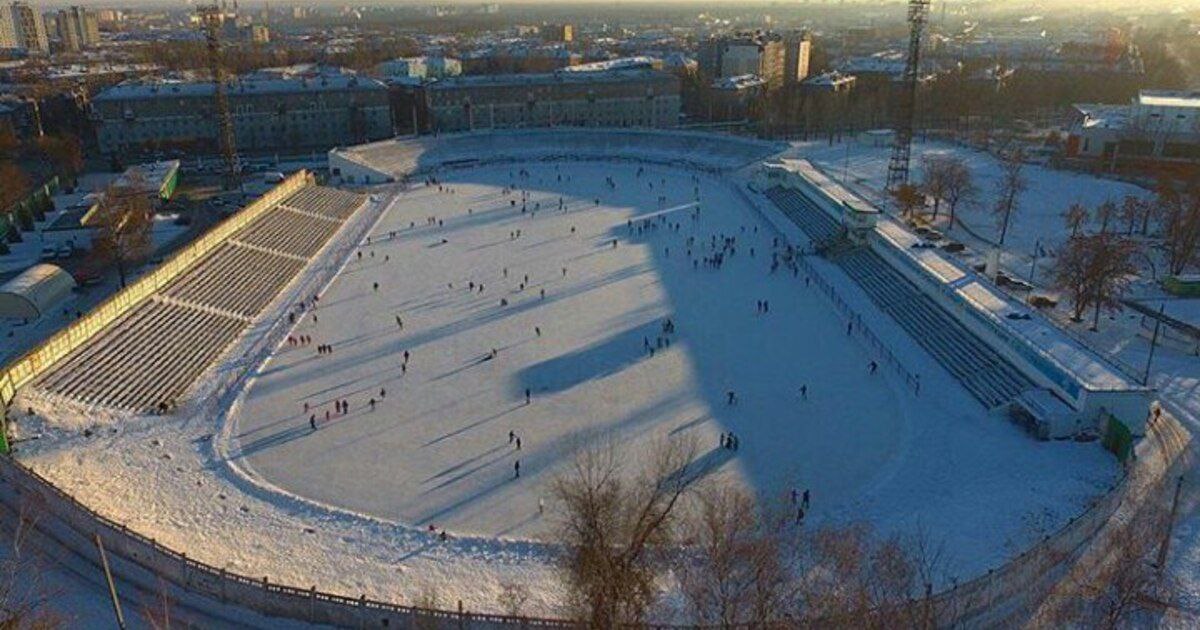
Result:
<point x="49" y="252"/>
<point x="66" y="250"/>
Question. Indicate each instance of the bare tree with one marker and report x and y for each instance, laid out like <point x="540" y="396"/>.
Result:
<point x="158" y="614"/>
<point x="123" y="223"/>
<point x="615" y="528"/>
<point x="1131" y="211"/>
<point x="738" y="567"/>
<point x="958" y="186"/>
<point x="1118" y="586"/>
<point x="1105" y="213"/>
<point x="25" y="597"/>
<point x="1114" y="275"/>
<point x="851" y="580"/>
<point x="1095" y="271"/>
<point x="1179" y="218"/>
<point x="1009" y="187"/>
<point x="908" y="199"/>
<point x="935" y="169"/>
<point x="1075" y="217"/>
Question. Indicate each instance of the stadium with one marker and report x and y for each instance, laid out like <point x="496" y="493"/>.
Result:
<point x="346" y="403"/>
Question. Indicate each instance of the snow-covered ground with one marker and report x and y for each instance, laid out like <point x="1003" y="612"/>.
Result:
<point x="1037" y="221"/>
<point x="346" y="507"/>
<point x="1175" y="373"/>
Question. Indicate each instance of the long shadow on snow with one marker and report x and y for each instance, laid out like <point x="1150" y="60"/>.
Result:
<point x="282" y="376"/>
<point x="596" y="361"/>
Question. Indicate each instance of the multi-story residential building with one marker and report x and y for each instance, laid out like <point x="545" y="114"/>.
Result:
<point x="776" y="59"/>
<point x="277" y="113"/>
<point x="259" y="34"/>
<point x="24" y="28"/>
<point x="8" y="30"/>
<point x="796" y="56"/>
<point x="735" y="98"/>
<point x="78" y="28"/>
<point x="617" y="98"/>
<point x="561" y="33"/>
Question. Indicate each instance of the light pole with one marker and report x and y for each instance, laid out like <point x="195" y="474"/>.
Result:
<point x="1037" y="247"/>
<point x="1153" y="343"/>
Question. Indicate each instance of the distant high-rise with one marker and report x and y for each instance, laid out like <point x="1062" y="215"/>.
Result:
<point x="8" y="29"/>
<point x="764" y="55"/>
<point x="78" y="28"/>
<point x="21" y="26"/>
<point x="564" y="33"/>
<point x="798" y="50"/>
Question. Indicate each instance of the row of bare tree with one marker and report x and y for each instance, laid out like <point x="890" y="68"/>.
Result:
<point x="630" y="536"/>
<point x="736" y="562"/>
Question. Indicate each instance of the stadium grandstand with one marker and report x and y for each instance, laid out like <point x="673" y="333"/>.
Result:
<point x="1007" y="356"/>
<point x="146" y="360"/>
<point x="392" y="159"/>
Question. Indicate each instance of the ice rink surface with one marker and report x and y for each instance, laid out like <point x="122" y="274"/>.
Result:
<point x="435" y="450"/>
<point x="436" y="447"/>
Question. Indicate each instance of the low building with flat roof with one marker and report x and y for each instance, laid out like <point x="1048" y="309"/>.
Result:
<point x="1156" y="126"/>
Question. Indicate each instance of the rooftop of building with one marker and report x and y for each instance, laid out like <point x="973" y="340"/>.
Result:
<point x="740" y="82"/>
<point x="830" y="78"/>
<point x="548" y="78"/>
<point x="157" y="88"/>
<point x="622" y="63"/>
<point x="1169" y="98"/>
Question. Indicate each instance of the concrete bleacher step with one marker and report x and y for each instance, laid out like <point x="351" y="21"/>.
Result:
<point x="981" y="370"/>
<point x="156" y="351"/>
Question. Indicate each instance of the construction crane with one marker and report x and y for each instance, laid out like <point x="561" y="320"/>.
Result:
<point x="906" y="106"/>
<point x="212" y="17"/>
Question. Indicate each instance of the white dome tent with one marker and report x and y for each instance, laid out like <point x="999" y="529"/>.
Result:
<point x="34" y="292"/>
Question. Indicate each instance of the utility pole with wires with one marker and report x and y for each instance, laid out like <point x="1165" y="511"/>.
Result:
<point x="212" y="18"/>
<point x="906" y="106"/>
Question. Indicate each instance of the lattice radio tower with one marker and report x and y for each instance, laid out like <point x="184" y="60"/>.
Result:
<point x="918" y="16"/>
<point x="212" y="17"/>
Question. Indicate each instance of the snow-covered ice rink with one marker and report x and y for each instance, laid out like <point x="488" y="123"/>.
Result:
<point x="435" y="450"/>
<point x="347" y="506"/>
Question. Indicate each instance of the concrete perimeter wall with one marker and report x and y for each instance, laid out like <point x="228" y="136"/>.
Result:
<point x="38" y="360"/>
<point x="153" y="568"/>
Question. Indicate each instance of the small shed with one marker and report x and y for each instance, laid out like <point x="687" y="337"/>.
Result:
<point x="34" y="292"/>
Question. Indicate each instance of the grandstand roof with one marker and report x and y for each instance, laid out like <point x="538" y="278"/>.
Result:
<point x="34" y="292"/>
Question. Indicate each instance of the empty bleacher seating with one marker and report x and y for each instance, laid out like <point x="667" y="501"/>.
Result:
<point x="152" y="355"/>
<point x="988" y="376"/>
<point x="819" y="226"/>
<point x="149" y="356"/>
<point x="288" y="232"/>
<point x="260" y="276"/>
